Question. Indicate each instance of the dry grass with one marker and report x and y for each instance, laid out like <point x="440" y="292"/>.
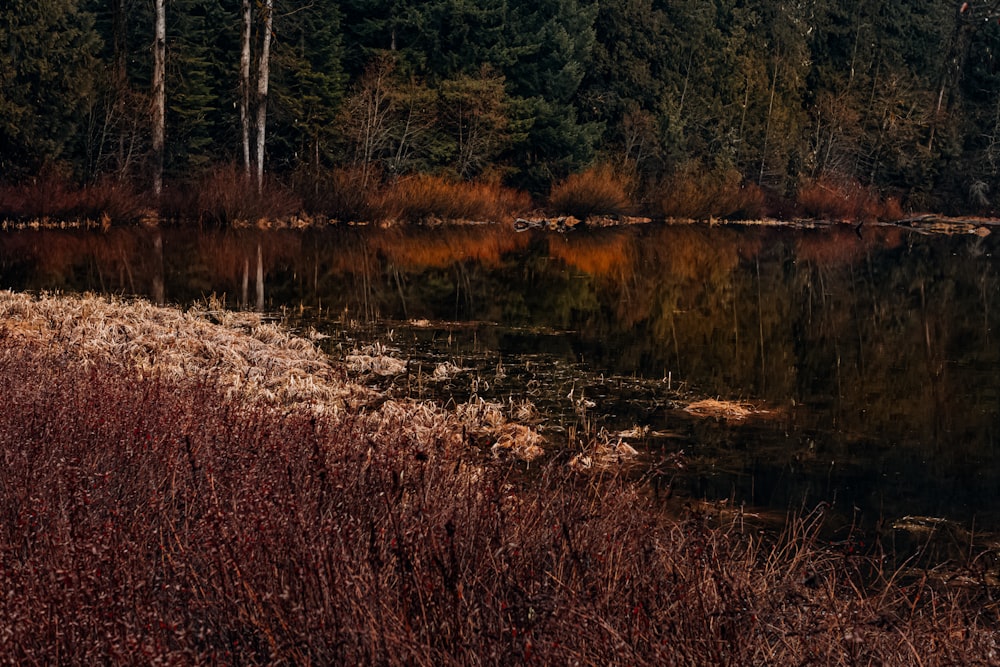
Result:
<point x="734" y="411"/>
<point x="149" y="518"/>
<point x="249" y="359"/>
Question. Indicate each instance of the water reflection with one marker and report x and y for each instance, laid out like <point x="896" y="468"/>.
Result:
<point x="874" y="355"/>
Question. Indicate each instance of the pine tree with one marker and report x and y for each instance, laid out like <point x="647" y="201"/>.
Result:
<point x="48" y="72"/>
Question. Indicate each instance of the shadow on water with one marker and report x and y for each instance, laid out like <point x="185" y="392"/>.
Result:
<point x="871" y="360"/>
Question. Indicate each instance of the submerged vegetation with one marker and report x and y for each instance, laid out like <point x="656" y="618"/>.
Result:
<point x="156" y="509"/>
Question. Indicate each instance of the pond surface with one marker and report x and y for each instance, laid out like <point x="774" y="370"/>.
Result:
<point x="871" y="357"/>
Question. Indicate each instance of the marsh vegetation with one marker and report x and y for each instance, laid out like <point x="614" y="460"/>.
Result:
<point x="156" y="515"/>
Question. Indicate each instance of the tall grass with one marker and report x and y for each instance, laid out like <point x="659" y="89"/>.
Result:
<point x="149" y="518"/>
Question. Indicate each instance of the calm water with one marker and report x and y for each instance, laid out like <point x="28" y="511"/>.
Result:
<point x="876" y="358"/>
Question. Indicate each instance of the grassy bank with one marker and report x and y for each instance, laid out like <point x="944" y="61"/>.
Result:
<point x="160" y="505"/>
<point x="224" y="197"/>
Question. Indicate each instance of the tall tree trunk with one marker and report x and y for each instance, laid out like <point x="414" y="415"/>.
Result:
<point x="262" y="79"/>
<point x="245" y="86"/>
<point x="159" y="93"/>
<point x="119" y="43"/>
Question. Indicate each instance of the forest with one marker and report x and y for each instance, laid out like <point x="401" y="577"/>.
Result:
<point x="679" y="107"/>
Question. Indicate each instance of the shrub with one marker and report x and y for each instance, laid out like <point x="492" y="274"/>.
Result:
<point x="426" y="198"/>
<point x="149" y="519"/>
<point x="112" y="202"/>
<point x="337" y="194"/>
<point x="698" y="195"/>
<point x="597" y="191"/>
<point x="226" y="196"/>
<point x="847" y="201"/>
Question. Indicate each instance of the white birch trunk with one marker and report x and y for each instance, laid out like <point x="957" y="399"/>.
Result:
<point x="262" y="80"/>
<point x="245" y="86"/>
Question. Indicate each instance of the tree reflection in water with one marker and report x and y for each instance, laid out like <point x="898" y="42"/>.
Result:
<point x="873" y="354"/>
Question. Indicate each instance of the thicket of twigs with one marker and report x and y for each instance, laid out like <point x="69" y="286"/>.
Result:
<point x="149" y="517"/>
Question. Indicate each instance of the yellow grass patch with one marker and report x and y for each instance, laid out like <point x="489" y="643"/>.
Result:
<point x="734" y="411"/>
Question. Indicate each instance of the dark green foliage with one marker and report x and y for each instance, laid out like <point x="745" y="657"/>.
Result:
<point x="897" y="96"/>
<point x="307" y="86"/>
<point x="48" y="72"/>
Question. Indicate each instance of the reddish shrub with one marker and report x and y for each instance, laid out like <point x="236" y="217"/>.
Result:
<point x="597" y="191"/>
<point x="226" y="196"/>
<point x="698" y="195"/>
<point x="337" y="194"/>
<point x="424" y="198"/>
<point x="147" y="520"/>
<point x="847" y="201"/>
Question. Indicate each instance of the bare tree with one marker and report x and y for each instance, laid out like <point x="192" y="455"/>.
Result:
<point x="245" y="85"/>
<point x="263" y="70"/>
<point x="159" y="93"/>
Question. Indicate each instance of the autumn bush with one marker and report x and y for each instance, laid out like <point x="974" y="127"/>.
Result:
<point x="338" y="194"/>
<point x="698" y="194"/>
<point x="55" y="197"/>
<point x="845" y="200"/>
<point x="426" y="198"/>
<point x="152" y="520"/>
<point x="599" y="190"/>
<point x="226" y="196"/>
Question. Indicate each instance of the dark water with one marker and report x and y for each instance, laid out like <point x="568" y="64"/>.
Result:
<point x="875" y="357"/>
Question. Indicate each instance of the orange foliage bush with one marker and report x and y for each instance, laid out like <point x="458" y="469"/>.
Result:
<point x="698" y="195"/>
<point x="425" y="198"/>
<point x="597" y="191"/>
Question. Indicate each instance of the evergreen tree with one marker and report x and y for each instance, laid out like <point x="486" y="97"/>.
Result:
<point x="308" y="85"/>
<point x="551" y="43"/>
<point x="48" y="73"/>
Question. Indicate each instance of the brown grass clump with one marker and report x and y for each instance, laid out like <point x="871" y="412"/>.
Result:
<point x="149" y="518"/>
<point x="848" y="201"/>
<point x="733" y="411"/>
<point x="698" y="194"/>
<point x="247" y="358"/>
<point x="423" y="198"/>
<point x="597" y="191"/>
